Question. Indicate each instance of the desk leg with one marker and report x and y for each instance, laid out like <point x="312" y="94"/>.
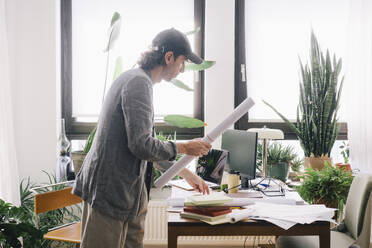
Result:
<point x="325" y="238"/>
<point x="172" y="238"/>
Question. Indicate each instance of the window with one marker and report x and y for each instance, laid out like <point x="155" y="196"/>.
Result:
<point x="274" y="35"/>
<point x="84" y="25"/>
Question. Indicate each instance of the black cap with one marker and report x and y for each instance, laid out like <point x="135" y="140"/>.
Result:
<point x="175" y="41"/>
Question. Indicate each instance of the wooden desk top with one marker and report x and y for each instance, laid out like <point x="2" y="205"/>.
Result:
<point x="175" y="220"/>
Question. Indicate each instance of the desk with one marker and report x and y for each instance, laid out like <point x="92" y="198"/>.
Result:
<point x="178" y="226"/>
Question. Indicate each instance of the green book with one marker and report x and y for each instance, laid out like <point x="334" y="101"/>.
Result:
<point x="213" y="199"/>
<point x="202" y="217"/>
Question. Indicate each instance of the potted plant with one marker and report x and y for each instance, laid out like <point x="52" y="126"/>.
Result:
<point x="296" y="169"/>
<point x="329" y="186"/>
<point x="316" y="126"/>
<point x="46" y="220"/>
<point x="14" y="225"/>
<point x="345" y="152"/>
<point x="279" y="158"/>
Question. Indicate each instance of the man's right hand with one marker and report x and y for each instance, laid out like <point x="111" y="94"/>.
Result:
<point x="195" y="147"/>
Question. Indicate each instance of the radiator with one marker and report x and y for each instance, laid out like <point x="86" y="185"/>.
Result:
<point x="156" y="231"/>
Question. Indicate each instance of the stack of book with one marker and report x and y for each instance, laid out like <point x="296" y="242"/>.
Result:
<point x="207" y="208"/>
<point x="206" y="213"/>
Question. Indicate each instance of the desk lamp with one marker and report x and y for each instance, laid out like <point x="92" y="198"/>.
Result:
<point x="266" y="134"/>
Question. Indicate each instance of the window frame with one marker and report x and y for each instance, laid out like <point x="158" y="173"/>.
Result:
<point x="81" y="130"/>
<point x="240" y="83"/>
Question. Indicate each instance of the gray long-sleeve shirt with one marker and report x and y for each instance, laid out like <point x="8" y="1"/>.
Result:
<point x="113" y="173"/>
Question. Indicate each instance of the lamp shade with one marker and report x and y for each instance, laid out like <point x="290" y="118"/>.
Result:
<point x="267" y="133"/>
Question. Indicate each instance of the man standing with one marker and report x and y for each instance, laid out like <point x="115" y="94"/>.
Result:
<point x="115" y="178"/>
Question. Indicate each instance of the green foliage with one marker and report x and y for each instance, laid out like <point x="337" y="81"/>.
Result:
<point x="90" y="140"/>
<point x="296" y="164"/>
<point x="345" y="151"/>
<point x="49" y="219"/>
<point x="183" y="121"/>
<point x="276" y="153"/>
<point x="316" y="126"/>
<point x="14" y="224"/>
<point x="178" y="83"/>
<point x="193" y="31"/>
<point x="199" y="67"/>
<point x="329" y="186"/>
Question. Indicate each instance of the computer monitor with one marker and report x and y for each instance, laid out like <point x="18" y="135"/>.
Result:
<point x="242" y="147"/>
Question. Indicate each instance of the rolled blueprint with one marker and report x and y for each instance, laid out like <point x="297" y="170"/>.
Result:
<point x="209" y="138"/>
<point x="239" y="215"/>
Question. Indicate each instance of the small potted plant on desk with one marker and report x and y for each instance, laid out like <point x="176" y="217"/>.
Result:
<point x="279" y="158"/>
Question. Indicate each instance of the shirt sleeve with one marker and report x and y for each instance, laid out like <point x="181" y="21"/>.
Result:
<point x="163" y="165"/>
<point x="137" y="108"/>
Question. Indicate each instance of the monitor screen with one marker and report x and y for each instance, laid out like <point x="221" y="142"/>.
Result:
<point x="210" y="167"/>
<point x="242" y="148"/>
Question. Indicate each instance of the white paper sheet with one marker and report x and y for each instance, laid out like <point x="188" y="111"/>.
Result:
<point x="210" y="137"/>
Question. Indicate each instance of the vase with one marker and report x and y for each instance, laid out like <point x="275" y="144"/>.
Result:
<point x="279" y="171"/>
<point x="78" y="159"/>
<point x="317" y="163"/>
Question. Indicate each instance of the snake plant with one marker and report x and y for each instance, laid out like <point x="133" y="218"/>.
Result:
<point x="316" y="125"/>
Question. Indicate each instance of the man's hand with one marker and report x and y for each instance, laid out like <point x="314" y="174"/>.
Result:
<point x="195" y="181"/>
<point x="195" y="147"/>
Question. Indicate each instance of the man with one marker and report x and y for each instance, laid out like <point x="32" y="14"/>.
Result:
<point x="115" y="177"/>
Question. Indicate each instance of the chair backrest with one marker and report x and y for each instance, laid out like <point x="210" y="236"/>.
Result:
<point x="356" y="203"/>
<point x="52" y="200"/>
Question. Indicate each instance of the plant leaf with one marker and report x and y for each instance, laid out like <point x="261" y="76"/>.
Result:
<point x="118" y="67"/>
<point x="193" y="31"/>
<point x="203" y="66"/>
<point x="113" y="31"/>
<point x="90" y="140"/>
<point x="178" y="83"/>
<point x="183" y="121"/>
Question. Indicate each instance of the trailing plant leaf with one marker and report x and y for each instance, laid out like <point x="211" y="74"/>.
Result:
<point x="199" y="67"/>
<point x="178" y="83"/>
<point x="183" y="121"/>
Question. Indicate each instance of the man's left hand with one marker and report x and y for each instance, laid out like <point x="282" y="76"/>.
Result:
<point x="195" y="181"/>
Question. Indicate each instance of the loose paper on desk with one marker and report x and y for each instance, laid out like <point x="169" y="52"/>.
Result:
<point x="209" y="138"/>
<point x="284" y="216"/>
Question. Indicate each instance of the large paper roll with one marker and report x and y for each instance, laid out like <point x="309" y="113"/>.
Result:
<point x="209" y="138"/>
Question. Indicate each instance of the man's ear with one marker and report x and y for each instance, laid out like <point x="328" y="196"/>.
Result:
<point x="169" y="57"/>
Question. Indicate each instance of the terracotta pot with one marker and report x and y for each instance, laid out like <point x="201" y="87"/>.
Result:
<point x="78" y="159"/>
<point x="317" y="163"/>
<point x="346" y="167"/>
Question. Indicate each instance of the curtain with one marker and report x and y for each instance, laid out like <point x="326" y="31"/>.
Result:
<point x="357" y="93"/>
<point x="9" y="178"/>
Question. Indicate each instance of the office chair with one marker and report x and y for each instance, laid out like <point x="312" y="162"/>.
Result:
<point x="52" y="200"/>
<point x="355" y="229"/>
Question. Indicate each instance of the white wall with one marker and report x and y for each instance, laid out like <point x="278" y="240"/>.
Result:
<point x="33" y="43"/>
<point x="219" y="86"/>
<point x="34" y="49"/>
